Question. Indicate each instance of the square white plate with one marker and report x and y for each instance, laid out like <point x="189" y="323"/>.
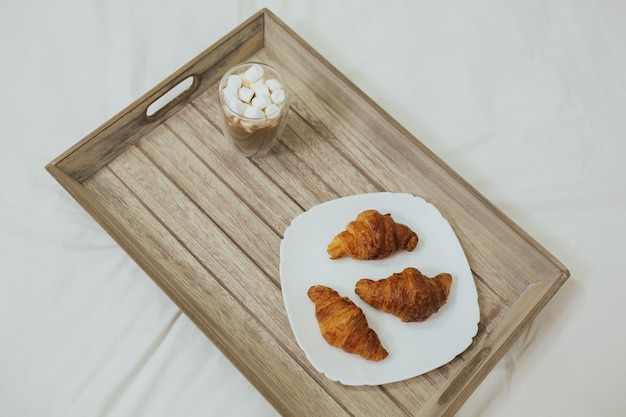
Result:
<point x="414" y="348"/>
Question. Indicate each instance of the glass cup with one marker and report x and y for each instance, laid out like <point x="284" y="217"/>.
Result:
<point x="254" y="100"/>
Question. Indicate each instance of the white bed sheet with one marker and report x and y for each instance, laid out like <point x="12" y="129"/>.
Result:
<point x="526" y="100"/>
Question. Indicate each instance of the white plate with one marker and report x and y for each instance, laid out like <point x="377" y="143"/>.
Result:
<point x="414" y="348"/>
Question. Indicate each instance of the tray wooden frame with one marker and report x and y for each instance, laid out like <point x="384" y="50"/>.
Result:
<point x="205" y="223"/>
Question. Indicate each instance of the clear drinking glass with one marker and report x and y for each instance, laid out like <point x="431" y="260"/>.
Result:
<point x="254" y="100"/>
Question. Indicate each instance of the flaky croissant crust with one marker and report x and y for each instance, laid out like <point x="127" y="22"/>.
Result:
<point x="343" y="324"/>
<point x="372" y="235"/>
<point x="409" y="295"/>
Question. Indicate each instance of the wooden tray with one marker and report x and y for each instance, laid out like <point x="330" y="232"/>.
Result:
<point x="206" y="223"/>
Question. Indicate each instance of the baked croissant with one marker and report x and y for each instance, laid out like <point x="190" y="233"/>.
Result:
<point x="372" y="236"/>
<point x="343" y="324"/>
<point x="408" y="295"/>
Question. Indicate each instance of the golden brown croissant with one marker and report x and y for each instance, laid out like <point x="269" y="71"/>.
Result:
<point x="372" y="236"/>
<point x="343" y="324"/>
<point x="408" y="295"/>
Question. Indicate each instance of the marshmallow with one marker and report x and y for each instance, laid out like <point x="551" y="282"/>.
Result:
<point x="245" y="94"/>
<point x="252" y="112"/>
<point x="253" y="73"/>
<point x="261" y="90"/>
<point x="234" y="81"/>
<point x="278" y="96"/>
<point x="272" y="111"/>
<point x="261" y="101"/>
<point x="230" y="92"/>
<point x="235" y="105"/>
<point x="258" y="83"/>
<point x="273" y="84"/>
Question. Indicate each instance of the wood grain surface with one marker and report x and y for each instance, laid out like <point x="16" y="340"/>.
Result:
<point x="205" y="223"/>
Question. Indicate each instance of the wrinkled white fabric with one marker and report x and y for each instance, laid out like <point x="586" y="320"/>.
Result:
<point x="526" y="100"/>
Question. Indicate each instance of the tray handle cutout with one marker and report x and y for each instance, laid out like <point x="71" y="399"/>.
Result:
<point x="175" y="95"/>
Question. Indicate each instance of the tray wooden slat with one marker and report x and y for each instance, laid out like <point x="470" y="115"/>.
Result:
<point x="206" y="223"/>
